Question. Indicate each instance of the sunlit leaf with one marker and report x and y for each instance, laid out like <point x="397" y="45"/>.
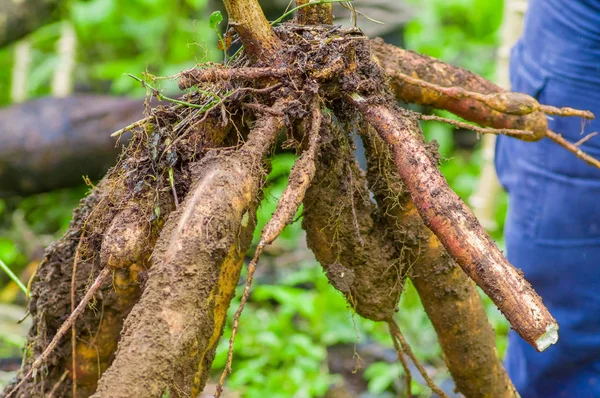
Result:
<point x="215" y="19"/>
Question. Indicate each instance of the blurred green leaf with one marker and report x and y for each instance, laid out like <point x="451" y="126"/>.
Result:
<point x="92" y="11"/>
<point x="381" y="376"/>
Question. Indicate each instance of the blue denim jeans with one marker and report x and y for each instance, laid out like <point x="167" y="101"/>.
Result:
<point x="553" y="225"/>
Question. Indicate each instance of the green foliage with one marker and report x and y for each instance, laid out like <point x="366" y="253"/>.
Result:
<point x="12" y="276"/>
<point x="23" y="221"/>
<point x="462" y="32"/>
<point x="215" y="19"/>
<point x="117" y="37"/>
<point x="286" y="327"/>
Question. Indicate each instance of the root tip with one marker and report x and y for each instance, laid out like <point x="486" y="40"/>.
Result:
<point x="548" y="338"/>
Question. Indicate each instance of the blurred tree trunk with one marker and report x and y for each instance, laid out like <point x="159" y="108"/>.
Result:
<point x="19" y="18"/>
<point x="52" y="143"/>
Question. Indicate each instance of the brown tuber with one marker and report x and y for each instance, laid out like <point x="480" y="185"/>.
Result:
<point x="457" y="228"/>
<point x="126" y="239"/>
<point x="348" y="240"/>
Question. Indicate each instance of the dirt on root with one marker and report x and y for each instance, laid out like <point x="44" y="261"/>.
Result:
<point x="449" y="297"/>
<point x="346" y="235"/>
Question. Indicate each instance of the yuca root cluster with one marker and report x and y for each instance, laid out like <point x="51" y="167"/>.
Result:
<point x="170" y="223"/>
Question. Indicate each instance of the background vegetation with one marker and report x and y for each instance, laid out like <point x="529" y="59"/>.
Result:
<point x="296" y="323"/>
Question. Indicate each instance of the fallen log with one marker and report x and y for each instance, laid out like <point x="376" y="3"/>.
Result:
<point x="50" y="143"/>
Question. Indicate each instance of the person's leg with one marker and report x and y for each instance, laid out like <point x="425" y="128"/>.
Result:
<point x="553" y="234"/>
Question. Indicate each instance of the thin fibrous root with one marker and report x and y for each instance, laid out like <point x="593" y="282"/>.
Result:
<point x="37" y="364"/>
<point x="192" y="77"/>
<point x="396" y="333"/>
<point x="57" y="384"/>
<point x="507" y="102"/>
<point x="451" y="220"/>
<point x="574" y="148"/>
<point x="132" y="126"/>
<point x="586" y="138"/>
<point x="300" y="178"/>
<point x="402" y="359"/>
<point x="472" y="127"/>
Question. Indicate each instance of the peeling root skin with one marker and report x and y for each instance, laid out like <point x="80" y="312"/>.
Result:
<point x="455" y="225"/>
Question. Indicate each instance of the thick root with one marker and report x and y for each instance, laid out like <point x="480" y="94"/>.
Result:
<point x="506" y="102"/>
<point x="458" y="229"/>
<point x="395" y="60"/>
<point x="170" y="337"/>
<point x="449" y="297"/>
<point x="50" y="304"/>
<point x="455" y="309"/>
<point x="126" y="192"/>
<point x="62" y="331"/>
<point x="342" y="230"/>
<point x="300" y="178"/>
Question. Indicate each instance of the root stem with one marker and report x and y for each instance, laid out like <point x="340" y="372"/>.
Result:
<point x="300" y="178"/>
<point x="396" y="333"/>
<point x="574" y="148"/>
<point x="457" y="228"/>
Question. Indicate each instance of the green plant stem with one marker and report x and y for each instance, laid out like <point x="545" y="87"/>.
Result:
<point x="161" y="96"/>
<point x="13" y="277"/>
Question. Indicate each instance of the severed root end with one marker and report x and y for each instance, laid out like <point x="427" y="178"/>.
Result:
<point x="548" y="338"/>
